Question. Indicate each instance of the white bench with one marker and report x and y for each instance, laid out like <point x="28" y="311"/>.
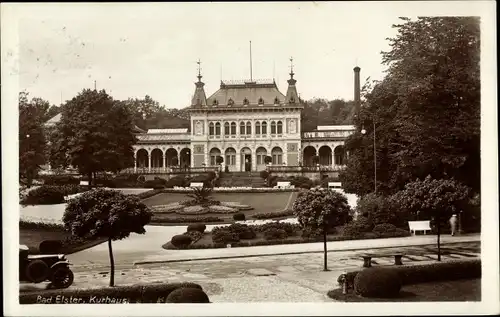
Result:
<point x="424" y="226"/>
<point x="332" y="185"/>
<point x="84" y="183"/>
<point x="196" y="185"/>
<point x="282" y="185"/>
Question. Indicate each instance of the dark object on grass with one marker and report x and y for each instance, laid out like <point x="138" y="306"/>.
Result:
<point x="239" y="216"/>
<point x="50" y="246"/>
<point x="197" y="227"/>
<point x="377" y="282"/>
<point x="181" y="241"/>
<point x="188" y="295"/>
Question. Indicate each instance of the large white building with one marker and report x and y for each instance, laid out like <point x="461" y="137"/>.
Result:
<point x="243" y="122"/>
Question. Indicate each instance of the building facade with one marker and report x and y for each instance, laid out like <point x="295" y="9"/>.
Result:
<point x="243" y="122"/>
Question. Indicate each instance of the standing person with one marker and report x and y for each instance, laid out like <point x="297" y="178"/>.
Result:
<point x="453" y="224"/>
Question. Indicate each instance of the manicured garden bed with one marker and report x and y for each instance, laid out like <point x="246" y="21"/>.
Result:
<point x="263" y="205"/>
<point x="32" y="234"/>
<point x="443" y="291"/>
<point x="274" y="233"/>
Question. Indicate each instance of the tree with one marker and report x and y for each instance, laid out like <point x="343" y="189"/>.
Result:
<point x="109" y="214"/>
<point x="321" y="209"/>
<point x="32" y="140"/>
<point x="219" y="160"/>
<point x="94" y="134"/>
<point x="426" y="111"/>
<point x="434" y="198"/>
<point x="326" y="112"/>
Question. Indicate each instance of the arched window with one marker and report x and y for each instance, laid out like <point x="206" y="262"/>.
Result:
<point x="230" y="156"/>
<point x="273" y="127"/>
<point x="280" y="127"/>
<point x="249" y="128"/>
<point x="276" y="101"/>
<point x="245" y="101"/>
<point x="277" y="155"/>
<point x="264" y="128"/>
<point x="242" y="128"/>
<point x="211" y="130"/>
<point x="230" y="102"/>
<point x="233" y="128"/>
<point x="226" y="128"/>
<point x="261" y="101"/>
<point x="214" y="153"/>
<point x="257" y="128"/>
<point x="261" y="154"/>
<point x="217" y="128"/>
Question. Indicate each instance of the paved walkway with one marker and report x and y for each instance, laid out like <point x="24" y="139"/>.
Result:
<point x="277" y="278"/>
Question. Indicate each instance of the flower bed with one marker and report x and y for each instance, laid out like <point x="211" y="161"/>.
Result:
<point x="234" y="190"/>
<point x="223" y="209"/>
<point x="192" y="210"/>
<point x="273" y="233"/>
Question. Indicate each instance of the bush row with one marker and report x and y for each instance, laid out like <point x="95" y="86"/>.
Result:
<point x="149" y="293"/>
<point x="270" y="215"/>
<point x="50" y="194"/>
<point x="40" y="226"/>
<point x="444" y="271"/>
<point x="297" y="240"/>
<point x="160" y="218"/>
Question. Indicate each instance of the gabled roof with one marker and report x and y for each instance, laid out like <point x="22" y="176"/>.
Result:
<point x="246" y="93"/>
<point x="52" y="121"/>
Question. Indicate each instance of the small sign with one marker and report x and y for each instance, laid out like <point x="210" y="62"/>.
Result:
<point x="84" y="183"/>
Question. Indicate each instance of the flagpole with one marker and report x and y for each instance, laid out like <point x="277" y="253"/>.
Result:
<point x="251" y="77"/>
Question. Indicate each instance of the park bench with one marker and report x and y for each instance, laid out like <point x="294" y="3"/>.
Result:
<point x="367" y="258"/>
<point x="332" y="185"/>
<point x="283" y="185"/>
<point x="424" y="226"/>
<point x="196" y="185"/>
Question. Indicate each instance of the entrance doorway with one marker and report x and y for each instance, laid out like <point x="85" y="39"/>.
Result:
<point x="248" y="162"/>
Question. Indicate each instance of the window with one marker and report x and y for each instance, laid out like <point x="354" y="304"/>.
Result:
<point x="257" y="127"/>
<point x="230" y="102"/>
<point x="214" y="153"/>
<point x="231" y="157"/>
<point x="261" y="155"/>
<point x="245" y="101"/>
<point x="217" y="128"/>
<point x="280" y="127"/>
<point x="277" y="156"/>
<point x="211" y="128"/>
<point x="273" y="127"/>
<point x="233" y="128"/>
<point x="276" y="101"/>
<point x="242" y="128"/>
<point x="261" y="101"/>
<point x="226" y="128"/>
<point x="264" y="128"/>
<point x="249" y="128"/>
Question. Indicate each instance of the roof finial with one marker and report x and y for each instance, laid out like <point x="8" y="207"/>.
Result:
<point x="291" y="67"/>
<point x="199" y="69"/>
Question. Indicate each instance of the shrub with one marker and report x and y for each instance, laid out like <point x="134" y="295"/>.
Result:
<point x="377" y="282"/>
<point x="243" y="231"/>
<point x="302" y="182"/>
<point x="351" y="230"/>
<point x="142" y="293"/>
<point x="289" y="228"/>
<point x="384" y="227"/>
<point x="264" y="174"/>
<point x="270" y="215"/>
<point x="176" y="181"/>
<point x="239" y="216"/>
<point x="194" y="235"/>
<point x="59" y="180"/>
<point x="40" y="225"/>
<point x="224" y="235"/>
<point x="200" y="227"/>
<point x="44" y="195"/>
<point x="50" y="246"/>
<point x="188" y="295"/>
<point x="181" y="241"/>
<point x="162" y="218"/>
<point x="275" y="234"/>
<point x="156" y="183"/>
<point x="443" y="271"/>
<point x="207" y="182"/>
<point x="211" y="175"/>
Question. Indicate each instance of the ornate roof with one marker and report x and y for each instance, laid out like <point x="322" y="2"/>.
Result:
<point x="146" y="138"/>
<point x="167" y="131"/>
<point x="246" y="93"/>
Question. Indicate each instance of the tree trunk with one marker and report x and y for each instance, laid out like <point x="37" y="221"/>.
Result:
<point x="90" y="180"/>
<point x="439" y="236"/>
<point x="324" y="249"/>
<point x="112" y="264"/>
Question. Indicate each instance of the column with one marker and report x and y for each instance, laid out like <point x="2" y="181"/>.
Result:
<point x="135" y="162"/>
<point x="149" y="158"/>
<point x="238" y="160"/>
<point x="254" y="159"/>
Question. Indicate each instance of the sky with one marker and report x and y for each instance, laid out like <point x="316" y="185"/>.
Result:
<point x="137" y="49"/>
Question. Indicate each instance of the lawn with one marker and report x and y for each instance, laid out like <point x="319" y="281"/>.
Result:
<point x="261" y="203"/>
<point x="443" y="291"/>
<point x="32" y="238"/>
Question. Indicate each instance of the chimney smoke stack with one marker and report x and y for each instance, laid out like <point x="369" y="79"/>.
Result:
<point x="357" y="88"/>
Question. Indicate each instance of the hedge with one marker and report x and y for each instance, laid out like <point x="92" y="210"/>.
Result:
<point x="45" y="195"/>
<point x="159" y="218"/>
<point x="444" y="271"/>
<point x="377" y="282"/>
<point x="297" y="240"/>
<point x="148" y="293"/>
<point x="188" y="295"/>
<point x="40" y="225"/>
<point x="149" y="193"/>
<point x="270" y="215"/>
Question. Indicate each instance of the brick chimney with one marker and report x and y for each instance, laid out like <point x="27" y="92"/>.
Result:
<point x="357" y="88"/>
